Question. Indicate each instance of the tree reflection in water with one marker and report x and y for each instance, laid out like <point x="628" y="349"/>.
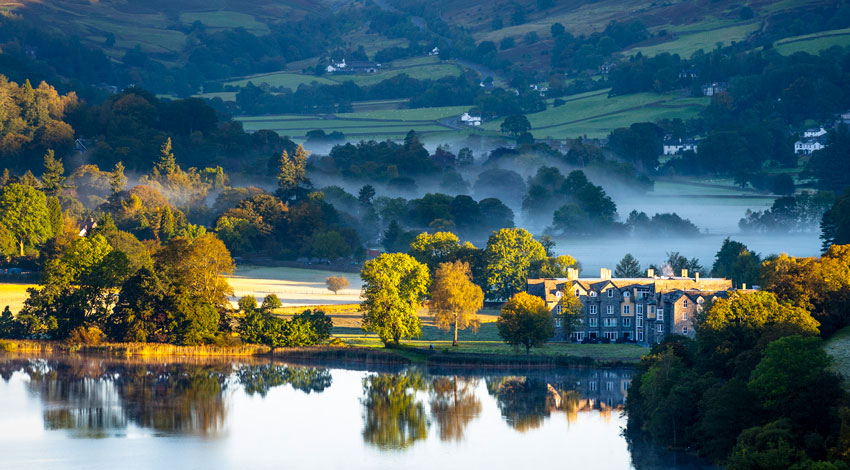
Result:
<point x="522" y="400"/>
<point x="260" y="379"/>
<point x="394" y="418"/>
<point x="454" y="405"/>
<point x="99" y="398"/>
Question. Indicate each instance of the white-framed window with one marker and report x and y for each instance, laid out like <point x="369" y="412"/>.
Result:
<point x="639" y="320"/>
<point x="640" y="336"/>
<point x="639" y="309"/>
<point x="685" y="315"/>
<point x="627" y="322"/>
<point x="609" y="322"/>
<point x="558" y="323"/>
<point x="592" y="309"/>
<point x="652" y="309"/>
<point x="593" y="293"/>
<point x="591" y="386"/>
<point x="610" y="292"/>
<point x="612" y="335"/>
<point x="609" y="309"/>
<point x="577" y="336"/>
<point x="660" y="315"/>
<point x="684" y="330"/>
<point x="627" y="309"/>
<point x="626" y="384"/>
<point x="627" y="294"/>
<point x="592" y="322"/>
<point x="685" y="303"/>
<point x="659" y="328"/>
<point x="609" y="386"/>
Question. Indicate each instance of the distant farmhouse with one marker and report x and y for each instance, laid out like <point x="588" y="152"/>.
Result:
<point x="352" y="67"/>
<point x="712" y="89"/>
<point x="813" y="139"/>
<point x="642" y="310"/>
<point x="676" y="146"/>
<point x="470" y="120"/>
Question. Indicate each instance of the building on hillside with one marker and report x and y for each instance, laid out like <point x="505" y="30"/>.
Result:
<point x="642" y="310"/>
<point x="806" y="146"/>
<point x="469" y="120"/>
<point x="814" y="133"/>
<point x="434" y="51"/>
<point x="712" y="89"/>
<point x="676" y="146"/>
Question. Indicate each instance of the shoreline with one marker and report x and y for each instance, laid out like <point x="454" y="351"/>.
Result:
<point x="402" y="355"/>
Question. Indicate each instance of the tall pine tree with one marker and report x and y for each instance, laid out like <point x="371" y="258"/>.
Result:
<point x="167" y="164"/>
<point x="53" y="176"/>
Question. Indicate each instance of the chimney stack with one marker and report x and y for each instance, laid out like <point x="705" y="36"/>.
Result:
<point x="696" y="276"/>
<point x="684" y="273"/>
<point x="744" y="286"/>
<point x="650" y="272"/>
<point x="604" y="274"/>
<point x="572" y="274"/>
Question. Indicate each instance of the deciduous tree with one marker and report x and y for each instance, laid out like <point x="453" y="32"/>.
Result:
<point x="525" y="321"/>
<point x="510" y="255"/>
<point x="455" y="299"/>
<point x="23" y="211"/>
<point x="394" y="286"/>
<point x="336" y="283"/>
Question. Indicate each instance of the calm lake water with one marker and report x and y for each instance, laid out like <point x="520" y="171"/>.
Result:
<point x="99" y="413"/>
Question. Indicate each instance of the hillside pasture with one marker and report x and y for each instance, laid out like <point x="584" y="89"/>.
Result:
<point x="224" y="19"/>
<point x="814" y="43"/>
<point x="595" y="114"/>
<point x="686" y="42"/>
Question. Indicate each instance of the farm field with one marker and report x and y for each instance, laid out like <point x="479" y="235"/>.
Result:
<point x="378" y="123"/>
<point x="688" y="42"/>
<point x="281" y="79"/>
<point x="595" y="114"/>
<point x="294" y="286"/>
<point x="13" y="295"/>
<point x="225" y="19"/>
<point x="813" y="43"/>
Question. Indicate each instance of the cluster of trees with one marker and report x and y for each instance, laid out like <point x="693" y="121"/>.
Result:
<point x="798" y="213"/>
<point x="741" y="392"/>
<point x="257" y="324"/>
<point x="571" y="53"/>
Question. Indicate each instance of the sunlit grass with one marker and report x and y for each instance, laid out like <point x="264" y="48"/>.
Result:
<point x="839" y="348"/>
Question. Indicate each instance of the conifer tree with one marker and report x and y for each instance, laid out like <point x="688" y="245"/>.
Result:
<point x="292" y="174"/>
<point x="628" y="267"/>
<point x="167" y="164"/>
<point x="54" y="213"/>
<point x="53" y="176"/>
<point x="117" y="180"/>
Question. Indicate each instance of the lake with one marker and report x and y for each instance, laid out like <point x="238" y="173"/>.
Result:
<point x="94" y="412"/>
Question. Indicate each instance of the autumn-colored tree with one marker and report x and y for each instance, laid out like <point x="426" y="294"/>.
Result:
<point x="167" y="163"/>
<point x="198" y="266"/>
<point x="336" y="283"/>
<point x="455" y="299"/>
<point x="453" y="405"/>
<point x="525" y="321"/>
<point x="394" y="286"/>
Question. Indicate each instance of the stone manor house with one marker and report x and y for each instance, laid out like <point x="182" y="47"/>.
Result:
<point x="644" y="309"/>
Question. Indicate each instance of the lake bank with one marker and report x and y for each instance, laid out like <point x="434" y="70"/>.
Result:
<point x="405" y="354"/>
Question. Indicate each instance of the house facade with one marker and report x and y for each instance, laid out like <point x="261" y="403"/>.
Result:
<point x="808" y="145"/>
<point x="644" y="310"/>
<point x="676" y="146"/>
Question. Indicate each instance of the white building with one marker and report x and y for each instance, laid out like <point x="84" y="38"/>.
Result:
<point x="469" y="120"/>
<point x="807" y="146"/>
<point x="676" y="146"/>
<point x="714" y="88"/>
<point x="813" y="133"/>
<point x="434" y="51"/>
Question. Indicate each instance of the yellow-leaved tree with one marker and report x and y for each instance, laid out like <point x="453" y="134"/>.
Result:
<point x="455" y="299"/>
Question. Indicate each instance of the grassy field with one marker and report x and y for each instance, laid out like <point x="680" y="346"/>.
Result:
<point x="225" y="19"/>
<point x="595" y="114"/>
<point x="375" y="123"/>
<point x="13" y="295"/>
<point x="814" y="43"/>
<point x="687" y="42"/>
<point x="281" y="79"/>
<point x="839" y="348"/>
<point x="293" y="286"/>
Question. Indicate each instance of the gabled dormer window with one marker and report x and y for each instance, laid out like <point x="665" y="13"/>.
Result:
<point x="578" y="293"/>
<point x="610" y="292"/>
<point x="627" y="294"/>
<point x="593" y="293"/>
